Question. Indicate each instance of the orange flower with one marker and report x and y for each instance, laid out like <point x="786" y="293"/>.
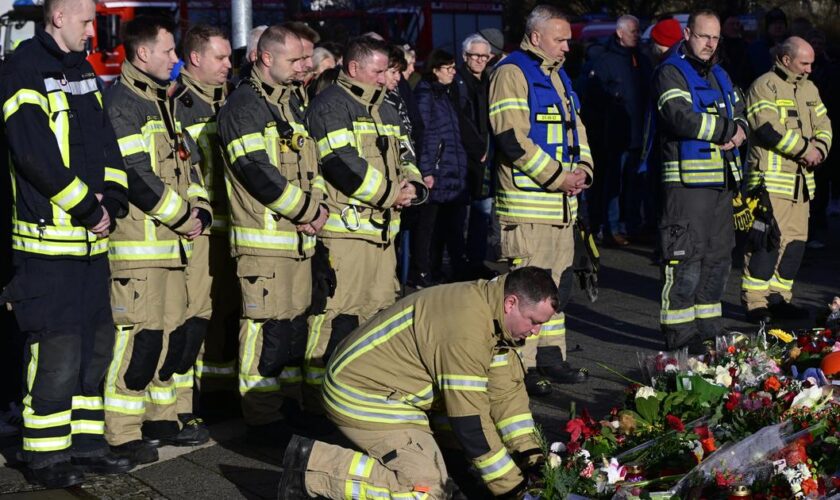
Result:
<point x="809" y="486"/>
<point x="708" y="444"/>
<point x="731" y="349"/>
<point x="772" y="384"/>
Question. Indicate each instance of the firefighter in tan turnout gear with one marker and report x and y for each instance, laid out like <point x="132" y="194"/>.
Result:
<point x="791" y="137"/>
<point x="150" y="248"/>
<point x="439" y="349"/>
<point x="276" y="208"/>
<point x="371" y="175"/>
<point x="210" y="272"/>
<point x="543" y="163"/>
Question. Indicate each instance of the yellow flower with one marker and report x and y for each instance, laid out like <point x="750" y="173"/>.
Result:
<point x="781" y="335"/>
<point x="795" y="352"/>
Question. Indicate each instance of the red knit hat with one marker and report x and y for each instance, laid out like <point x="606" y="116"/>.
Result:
<point x="667" y="32"/>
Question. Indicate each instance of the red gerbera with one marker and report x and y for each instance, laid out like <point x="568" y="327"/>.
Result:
<point x="675" y="423"/>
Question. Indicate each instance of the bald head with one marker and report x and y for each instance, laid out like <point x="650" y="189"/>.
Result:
<point x="796" y="55"/>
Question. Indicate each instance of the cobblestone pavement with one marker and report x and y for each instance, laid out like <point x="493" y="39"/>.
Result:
<point x="611" y="331"/>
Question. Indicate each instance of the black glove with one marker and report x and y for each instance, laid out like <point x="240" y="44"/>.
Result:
<point x="323" y="279"/>
<point x="205" y="217"/>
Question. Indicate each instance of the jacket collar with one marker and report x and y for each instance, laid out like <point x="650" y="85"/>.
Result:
<point x="547" y="64"/>
<point x="68" y="59"/>
<point x="368" y="95"/>
<point x="786" y="74"/>
<point x="495" y="292"/>
<point x="211" y="94"/>
<point x="143" y="84"/>
<point x="702" y="67"/>
<point x="274" y="94"/>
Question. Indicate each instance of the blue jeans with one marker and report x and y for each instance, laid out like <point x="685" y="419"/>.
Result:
<point x="479" y="227"/>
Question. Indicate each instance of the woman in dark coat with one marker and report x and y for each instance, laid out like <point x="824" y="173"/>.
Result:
<point x="442" y="160"/>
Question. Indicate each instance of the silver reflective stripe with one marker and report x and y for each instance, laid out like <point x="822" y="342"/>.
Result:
<point x="81" y="87"/>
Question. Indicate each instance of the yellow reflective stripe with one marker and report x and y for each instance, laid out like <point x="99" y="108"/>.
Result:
<point x="287" y="204"/>
<point x="62" y="233"/>
<point x="511" y="103"/>
<point x="196" y="190"/>
<point x="221" y="370"/>
<point x="462" y="383"/>
<point x="757" y="106"/>
<point x="270" y="240"/>
<point x="132" y="144"/>
<point x="705" y="311"/>
<point x="496" y="466"/>
<point x="676" y="316"/>
<point x="536" y="163"/>
<point x="499" y="360"/>
<point x="74" y="248"/>
<point x="25" y="96"/>
<point x="160" y="395"/>
<point x="516" y="426"/>
<point x="788" y="142"/>
<point x="554" y="327"/>
<point x="820" y="109"/>
<point x="241" y="146"/>
<point x="750" y="283"/>
<point x="182" y="380"/>
<point x="87" y="403"/>
<point x="824" y="134"/>
<point x="707" y="127"/>
<point x="149" y="250"/>
<point x="779" y="283"/>
<point x="361" y="465"/>
<point x="116" y="176"/>
<point x="71" y="195"/>
<point x="169" y="206"/>
<point x="370" y="185"/>
<point x="118" y="403"/>
<point x="789" y="103"/>
<point x="336" y="225"/>
<point x="253" y="383"/>
<point x="33" y="421"/>
<point x="378" y="334"/>
<point x="47" y="444"/>
<point x="87" y="427"/>
<point x="672" y="94"/>
<point x="339" y="402"/>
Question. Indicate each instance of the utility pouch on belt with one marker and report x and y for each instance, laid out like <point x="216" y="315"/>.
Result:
<point x="764" y="232"/>
<point x="323" y="279"/>
<point x="587" y="260"/>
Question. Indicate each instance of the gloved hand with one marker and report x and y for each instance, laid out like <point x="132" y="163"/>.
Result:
<point x="742" y="213"/>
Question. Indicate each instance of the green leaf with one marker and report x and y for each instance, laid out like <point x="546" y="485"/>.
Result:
<point x="648" y="408"/>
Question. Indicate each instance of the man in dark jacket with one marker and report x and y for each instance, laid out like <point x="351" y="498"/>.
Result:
<point x="473" y="114"/>
<point x="616" y="102"/>
<point x="69" y="189"/>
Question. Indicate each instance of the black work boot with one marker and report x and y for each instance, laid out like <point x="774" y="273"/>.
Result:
<point x="675" y="341"/>
<point x="137" y="451"/>
<point x="293" y="481"/>
<point x="109" y="463"/>
<point x="60" y="475"/>
<point x="193" y="432"/>
<point x="550" y="363"/>
<point x="759" y="315"/>
<point x="536" y="385"/>
<point x="786" y="310"/>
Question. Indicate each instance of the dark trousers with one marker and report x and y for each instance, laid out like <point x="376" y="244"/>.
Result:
<point x="438" y="227"/>
<point x="697" y="237"/>
<point x="62" y="306"/>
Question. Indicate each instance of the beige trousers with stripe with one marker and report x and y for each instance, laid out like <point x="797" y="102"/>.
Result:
<point x="378" y="472"/>
<point x="142" y="300"/>
<point x="549" y="247"/>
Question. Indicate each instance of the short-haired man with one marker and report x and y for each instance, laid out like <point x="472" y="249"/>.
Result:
<point x="791" y="137"/>
<point x="308" y="37"/>
<point x="451" y="348"/>
<point x="69" y="190"/>
<point x="473" y="94"/>
<point x="543" y="163"/>
<point x="276" y="205"/>
<point x="150" y="250"/>
<point x="202" y="89"/>
<point x="617" y="96"/>
<point x="370" y="177"/>
<point x="701" y="124"/>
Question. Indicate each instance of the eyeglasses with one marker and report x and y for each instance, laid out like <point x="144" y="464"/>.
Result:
<point x="706" y="38"/>
<point x="450" y="67"/>
<point x="480" y="57"/>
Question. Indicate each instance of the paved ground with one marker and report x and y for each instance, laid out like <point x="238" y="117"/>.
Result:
<point x="611" y="331"/>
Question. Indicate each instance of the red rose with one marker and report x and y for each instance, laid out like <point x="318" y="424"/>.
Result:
<point x="733" y="400"/>
<point x="702" y="432"/>
<point x="674" y="423"/>
<point x="772" y="384"/>
<point x="575" y="427"/>
<point x="731" y="349"/>
<point x="573" y="447"/>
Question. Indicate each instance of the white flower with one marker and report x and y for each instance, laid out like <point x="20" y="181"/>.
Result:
<point x="808" y="397"/>
<point x="610" y="473"/>
<point x="554" y="460"/>
<point x="614" y="424"/>
<point x="671" y="368"/>
<point x="697" y="366"/>
<point x="583" y="453"/>
<point x="645" y="392"/>
<point x="557" y="447"/>
<point x="722" y="376"/>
